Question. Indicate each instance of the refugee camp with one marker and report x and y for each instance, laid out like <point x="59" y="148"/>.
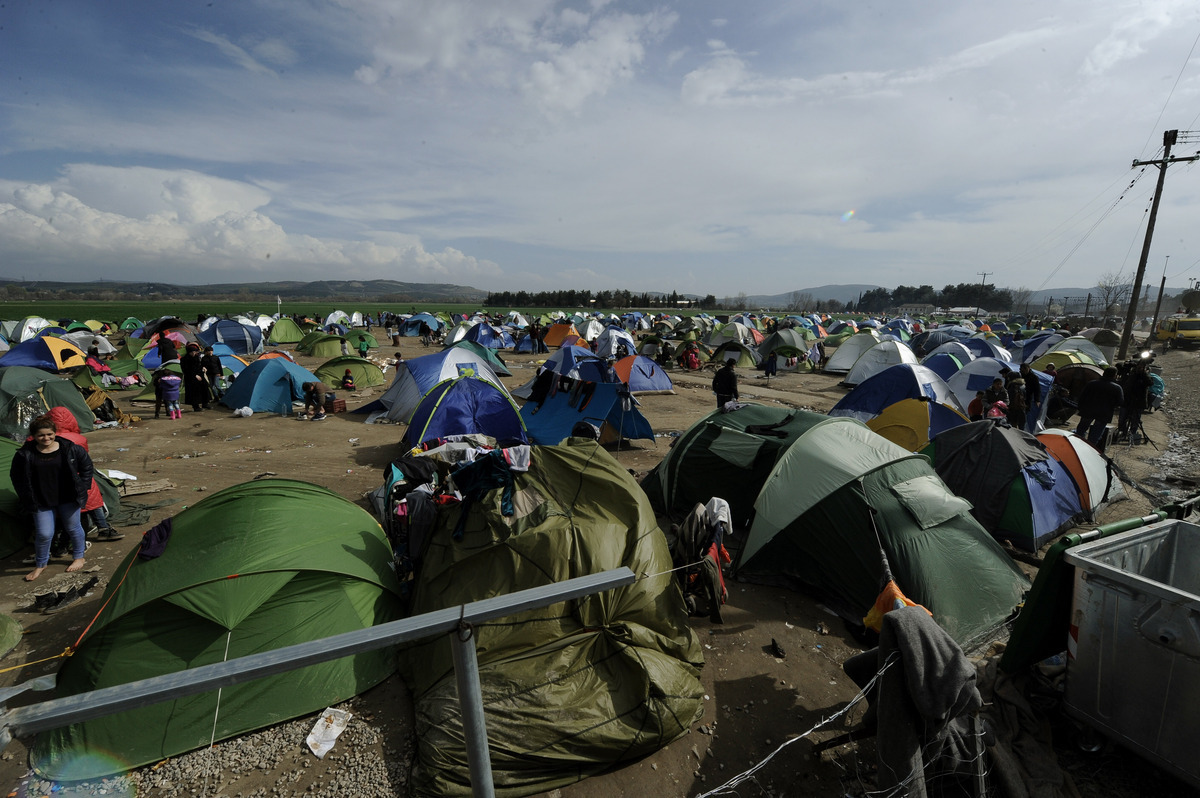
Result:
<point x="594" y="399"/>
<point x="251" y="498"/>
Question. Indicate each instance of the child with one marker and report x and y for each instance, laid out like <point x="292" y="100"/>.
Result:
<point x="348" y="381"/>
<point x="975" y="408"/>
<point x="167" y="384"/>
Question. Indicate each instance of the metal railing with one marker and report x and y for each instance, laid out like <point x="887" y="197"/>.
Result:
<point x="455" y="621"/>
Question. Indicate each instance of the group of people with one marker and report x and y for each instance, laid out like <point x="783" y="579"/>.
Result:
<point x="1123" y="391"/>
<point x="1008" y="397"/>
<point x="198" y="381"/>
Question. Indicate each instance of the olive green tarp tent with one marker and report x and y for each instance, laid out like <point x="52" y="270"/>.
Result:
<point x="13" y="528"/>
<point x="822" y="496"/>
<point x="354" y="337"/>
<point x="573" y="689"/>
<point x="322" y="344"/>
<point x="252" y="568"/>
<point x="26" y="393"/>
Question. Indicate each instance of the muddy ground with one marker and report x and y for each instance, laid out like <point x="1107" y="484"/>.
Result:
<point x="755" y="700"/>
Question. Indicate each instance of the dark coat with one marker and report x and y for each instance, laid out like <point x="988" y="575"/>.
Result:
<point x="725" y="382"/>
<point x="1100" y="399"/>
<point x="21" y="473"/>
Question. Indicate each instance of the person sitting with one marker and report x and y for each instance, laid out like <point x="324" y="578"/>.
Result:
<point x="348" y="381"/>
<point x="975" y="408"/>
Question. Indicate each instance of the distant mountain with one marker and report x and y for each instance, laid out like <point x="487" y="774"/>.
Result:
<point x="378" y="290"/>
<point x="842" y="293"/>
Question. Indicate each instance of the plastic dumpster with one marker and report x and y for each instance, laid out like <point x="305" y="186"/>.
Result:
<point x="1133" y="671"/>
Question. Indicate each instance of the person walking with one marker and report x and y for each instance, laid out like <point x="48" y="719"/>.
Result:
<point x="195" y="386"/>
<point x="213" y="371"/>
<point x="51" y="478"/>
<point x="725" y="384"/>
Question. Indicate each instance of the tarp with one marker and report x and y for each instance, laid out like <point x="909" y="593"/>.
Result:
<point x="605" y="405"/>
<point x="576" y="688"/>
<point x="249" y="569"/>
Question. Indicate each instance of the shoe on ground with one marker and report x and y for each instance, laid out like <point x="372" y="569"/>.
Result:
<point x="30" y="559"/>
<point x="108" y="533"/>
<point x="303" y="416"/>
<point x="319" y="417"/>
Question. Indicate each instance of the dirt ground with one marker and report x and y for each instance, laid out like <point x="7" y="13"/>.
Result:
<point x="755" y="701"/>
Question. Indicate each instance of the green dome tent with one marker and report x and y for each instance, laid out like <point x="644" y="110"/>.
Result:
<point x="353" y="337"/>
<point x="322" y="344"/>
<point x="285" y="331"/>
<point x="808" y="483"/>
<point x="26" y="393"/>
<point x="246" y="570"/>
<point x="366" y="374"/>
<point x="569" y="690"/>
<point x="13" y="528"/>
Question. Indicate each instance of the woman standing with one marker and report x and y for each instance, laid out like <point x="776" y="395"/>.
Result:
<point x="51" y="477"/>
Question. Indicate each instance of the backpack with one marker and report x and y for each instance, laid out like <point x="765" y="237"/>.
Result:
<point x="697" y="554"/>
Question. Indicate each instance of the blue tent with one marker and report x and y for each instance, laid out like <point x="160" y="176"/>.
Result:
<point x="412" y="325"/>
<point x="944" y="364"/>
<point x="1018" y="492"/>
<point x="269" y="386"/>
<point x="465" y="406"/>
<point x="229" y="360"/>
<point x="982" y="347"/>
<point x="485" y="334"/>
<point x="605" y="405"/>
<point x="907" y="403"/>
<point x="242" y="339"/>
<point x="643" y="375"/>
<point x="415" y="378"/>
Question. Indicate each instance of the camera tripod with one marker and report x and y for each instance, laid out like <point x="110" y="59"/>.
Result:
<point x="1129" y="433"/>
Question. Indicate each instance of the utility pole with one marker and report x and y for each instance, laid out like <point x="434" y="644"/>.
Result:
<point x="984" y="276"/>
<point x="1169" y="139"/>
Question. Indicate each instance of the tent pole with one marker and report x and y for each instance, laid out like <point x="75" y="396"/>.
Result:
<point x="217" y="710"/>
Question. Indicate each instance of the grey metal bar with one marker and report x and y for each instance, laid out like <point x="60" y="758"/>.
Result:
<point x="73" y="709"/>
<point x="470" y="703"/>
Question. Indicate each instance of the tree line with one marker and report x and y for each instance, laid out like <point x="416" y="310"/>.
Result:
<point x="571" y="298"/>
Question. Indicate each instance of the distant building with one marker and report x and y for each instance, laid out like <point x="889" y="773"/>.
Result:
<point x="915" y="309"/>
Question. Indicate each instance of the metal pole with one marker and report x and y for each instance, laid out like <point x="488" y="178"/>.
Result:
<point x="470" y="703"/>
<point x="144" y="692"/>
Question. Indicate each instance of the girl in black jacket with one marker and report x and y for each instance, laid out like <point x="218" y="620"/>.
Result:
<point x="51" y="477"/>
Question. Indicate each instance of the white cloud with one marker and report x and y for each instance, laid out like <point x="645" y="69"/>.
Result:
<point x="46" y="226"/>
<point x="233" y="52"/>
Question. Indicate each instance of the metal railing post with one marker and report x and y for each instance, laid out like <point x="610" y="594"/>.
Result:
<point x="470" y="703"/>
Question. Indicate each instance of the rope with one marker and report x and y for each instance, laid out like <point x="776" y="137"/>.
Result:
<point x="66" y="652"/>
<point x="748" y="775"/>
<point x="217" y="709"/>
<point x="74" y="646"/>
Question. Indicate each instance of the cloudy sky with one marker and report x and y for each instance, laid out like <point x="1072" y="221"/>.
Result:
<point x="698" y="146"/>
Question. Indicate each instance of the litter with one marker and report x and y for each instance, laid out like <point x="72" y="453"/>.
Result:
<point x="326" y="730"/>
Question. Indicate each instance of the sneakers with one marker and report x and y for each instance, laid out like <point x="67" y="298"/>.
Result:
<point x="303" y="416"/>
<point x="319" y="417"/>
<point x="108" y="533"/>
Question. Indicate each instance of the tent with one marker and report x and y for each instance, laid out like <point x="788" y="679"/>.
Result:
<point x="416" y="377"/>
<point x="48" y="353"/>
<point x="1094" y="474"/>
<point x="284" y="331"/>
<point x="322" y="344"/>
<point x="1018" y="492"/>
<point x="879" y="357"/>
<point x="488" y="336"/>
<point x="354" y="337"/>
<point x="574" y="362"/>
<point x="643" y="375"/>
<point x="808" y="483"/>
<point x="130" y="323"/>
<point x="609" y="342"/>
<point x="570" y="690"/>
<point x="469" y="405"/>
<point x="556" y="332"/>
<point x="14" y="526"/>
<point x="975" y="376"/>
<point x="366" y="374"/>
<point x="745" y="356"/>
<point x="734" y="331"/>
<point x="907" y="404"/>
<point x="243" y="339"/>
<point x="268" y="386"/>
<point x="605" y="405"/>
<point x="788" y="342"/>
<point x="944" y="364"/>
<point x="411" y="326"/>
<point x="26" y="393"/>
<point x="246" y="571"/>
<point x="848" y="351"/>
<point x="83" y="339"/>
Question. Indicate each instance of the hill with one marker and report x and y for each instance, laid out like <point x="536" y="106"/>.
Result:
<point x="377" y="290"/>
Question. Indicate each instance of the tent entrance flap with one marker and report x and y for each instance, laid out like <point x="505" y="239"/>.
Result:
<point x="736" y="447"/>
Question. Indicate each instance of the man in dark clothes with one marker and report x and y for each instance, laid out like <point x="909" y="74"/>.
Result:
<point x="725" y="384"/>
<point x="196" y="390"/>
<point x="1136" y="387"/>
<point x="212" y="371"/>
<point x="1098" y="400"/>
